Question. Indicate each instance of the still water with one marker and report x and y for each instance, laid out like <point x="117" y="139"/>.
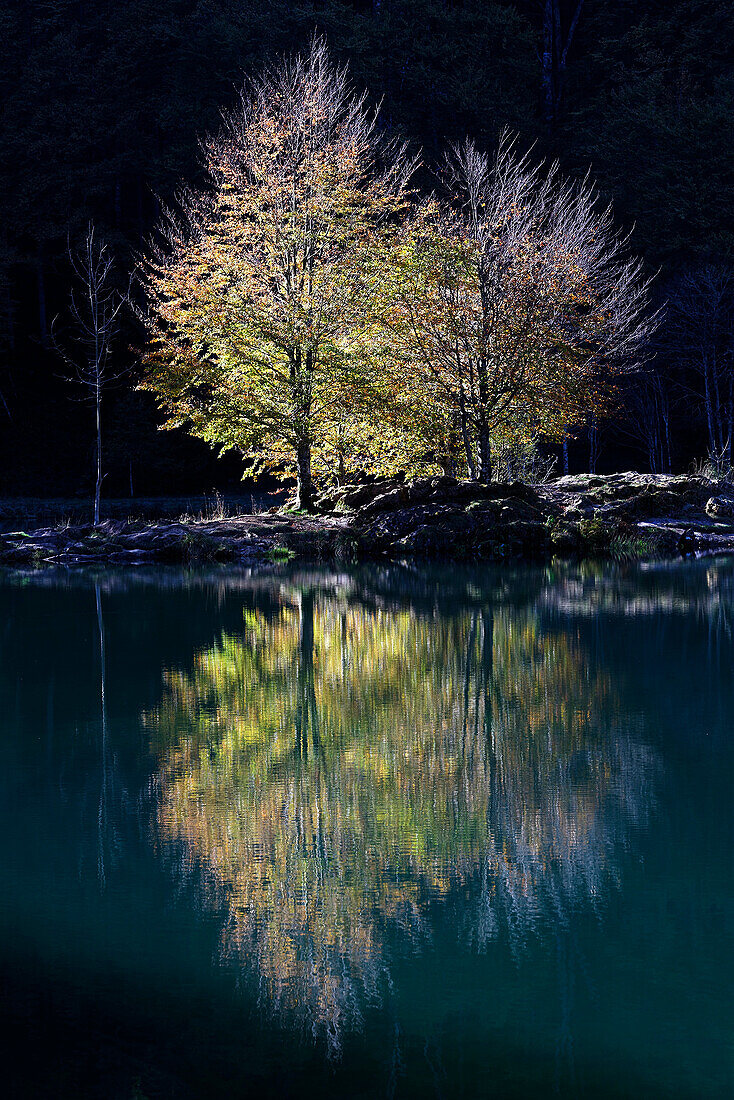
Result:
<point x="372" y="833"/>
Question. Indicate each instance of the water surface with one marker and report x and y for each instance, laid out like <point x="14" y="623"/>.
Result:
<point x="372" y="833"/>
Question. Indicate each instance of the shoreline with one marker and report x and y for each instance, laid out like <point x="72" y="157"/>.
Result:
<point x="586" y="516"/>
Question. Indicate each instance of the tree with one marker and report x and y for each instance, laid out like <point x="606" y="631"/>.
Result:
<point x="266" y="275"/>
<point x="700" y="333"/>
<point x="511" y="305"/>
<point x="648" y="409"/>
<point x="95" y="306"/>
<point x="554" y="56"/>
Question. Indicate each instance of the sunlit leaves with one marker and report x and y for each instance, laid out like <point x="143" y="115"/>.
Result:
<point x="267" y="281"/>
<point x="508" y="305"/>
<point x="307" y="313"/>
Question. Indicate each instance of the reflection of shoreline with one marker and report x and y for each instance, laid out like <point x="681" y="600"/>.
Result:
<point x="337" y="765"/>
<point x="585" y="590"/>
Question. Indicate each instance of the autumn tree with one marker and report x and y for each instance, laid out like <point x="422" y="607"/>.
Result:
<point x="511" y="303"/>
<point x="266" y="275"/>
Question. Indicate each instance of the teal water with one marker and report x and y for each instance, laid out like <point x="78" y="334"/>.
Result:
<point x="371" y="833"/>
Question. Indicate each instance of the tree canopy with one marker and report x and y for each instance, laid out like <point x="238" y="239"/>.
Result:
<point x="304" y="302"/>
<point x="268" y="279"/>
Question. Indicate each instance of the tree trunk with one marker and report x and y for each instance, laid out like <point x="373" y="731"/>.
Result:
<point x="547" y="67"/>
<point x="709" y="411"/>
<point x="41" y="285"/>
<point x="468" y="449"/>
<point x="483" y="440"/>
<point x="98" y="483"/>
<point x="554" y="58"/>
<point x="304" y="492"/>
<point x="717" y="408"/>
<point x="485" y="455"/>
<point x="668" y="458"/>
<point x="593" y="446"/>
<point x="730" y="419"/>
<point x="9" y="312"/>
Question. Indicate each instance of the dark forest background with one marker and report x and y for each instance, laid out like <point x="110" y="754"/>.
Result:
<point x="103" y="103"/>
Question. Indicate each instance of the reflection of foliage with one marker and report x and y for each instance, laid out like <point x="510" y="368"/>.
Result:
<point x="335" y="767"/>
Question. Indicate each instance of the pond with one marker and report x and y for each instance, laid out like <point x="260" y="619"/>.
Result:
<point x="379" y="832"/>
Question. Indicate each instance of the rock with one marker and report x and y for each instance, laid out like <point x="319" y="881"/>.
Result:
<point x="688" y="543"/>
<point x="648" y="504"/>
<point x="423" y="542"/>
<point x="390" y="533"/>
<point x="532" y="534"/>
<point x="344" y="498"/>
<point x="720" y="507"/>
<point x="589" y="491"/>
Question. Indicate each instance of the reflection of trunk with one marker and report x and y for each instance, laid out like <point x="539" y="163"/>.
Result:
<point x="479" y="665"/>
<point x="306" y="712"/>
<point x="486" y="666"/>
<point x="102" y="811"/>
<point x="469" y="665"/>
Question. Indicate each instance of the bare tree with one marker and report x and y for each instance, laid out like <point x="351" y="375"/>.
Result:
<point x="556" y="44"/>
<point x="648" y="415"/>
<point x="95" y="306"/>
<point x="700" y="335"/>
<point x="519" y="299"/>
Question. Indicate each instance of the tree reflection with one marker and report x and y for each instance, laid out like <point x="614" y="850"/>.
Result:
<point x="335" y="768"/>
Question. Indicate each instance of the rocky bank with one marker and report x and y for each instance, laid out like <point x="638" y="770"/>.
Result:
<point x="438" y="518"/>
